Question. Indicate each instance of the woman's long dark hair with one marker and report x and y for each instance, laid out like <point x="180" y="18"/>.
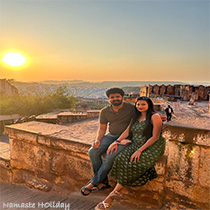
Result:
<point x="147" y="132"/>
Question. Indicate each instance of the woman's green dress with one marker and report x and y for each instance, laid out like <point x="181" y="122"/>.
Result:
<point x="137" y="174"/>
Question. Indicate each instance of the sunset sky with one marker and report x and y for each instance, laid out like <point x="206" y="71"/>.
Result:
<point x="106" y="40"/>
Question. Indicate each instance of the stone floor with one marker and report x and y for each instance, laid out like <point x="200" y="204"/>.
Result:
<point x="18" y="194"/>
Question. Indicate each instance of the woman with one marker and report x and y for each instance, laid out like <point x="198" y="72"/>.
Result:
<point x="134" y="166"/>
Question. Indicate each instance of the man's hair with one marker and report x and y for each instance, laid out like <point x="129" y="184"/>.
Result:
<point x="114" y="90"/>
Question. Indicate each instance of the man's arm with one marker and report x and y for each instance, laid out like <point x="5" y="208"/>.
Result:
<point x="100" y="134"/>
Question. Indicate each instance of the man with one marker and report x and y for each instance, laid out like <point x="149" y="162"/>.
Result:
<point x="117" y="116"/>
<point x="169" y="112"/>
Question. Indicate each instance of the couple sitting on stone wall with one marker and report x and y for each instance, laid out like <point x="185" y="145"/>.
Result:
<point x="132" y="146"/>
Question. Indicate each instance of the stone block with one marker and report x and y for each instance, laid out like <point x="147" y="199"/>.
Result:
<point x="68" y="145"/>
<point x="5" y="175"/>
<point x="32" y="156"/>
<point x="15" y="164"/>
<point x="45" y="175"/>
<point x="183" y="162"/>
<point x="79" y="169"/>
<point x="195" y="193"/>
<point x="55" y="163"/>
<point x="36" y="183"/>
<point x="22" y="135"/>
<point x="45" y="140"/>
<point x="204" y="170"/>
<point x="19" y="175"/>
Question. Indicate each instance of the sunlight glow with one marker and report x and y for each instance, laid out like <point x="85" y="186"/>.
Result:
<point x="14" y="59"/>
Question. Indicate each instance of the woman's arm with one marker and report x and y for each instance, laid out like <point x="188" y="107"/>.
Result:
<point x="157" y="125"/>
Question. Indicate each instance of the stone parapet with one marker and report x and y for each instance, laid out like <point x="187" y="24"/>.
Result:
<point x="55" y="157"/>
<point x="190" y="135"/>
<point x="188" y="166"/>
<point x="68" y="117"/>
<point x="93" y="113"/>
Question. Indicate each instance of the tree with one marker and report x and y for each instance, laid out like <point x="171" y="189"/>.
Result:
<point x="34" y="105"/>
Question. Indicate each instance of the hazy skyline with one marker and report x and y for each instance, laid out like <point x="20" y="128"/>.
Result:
<point x="107" y="40"/>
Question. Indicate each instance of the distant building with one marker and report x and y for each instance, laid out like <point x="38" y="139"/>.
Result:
<point x="6" y="88"/>
<point x="143" y="91"/>
<point x="174" y="92"/>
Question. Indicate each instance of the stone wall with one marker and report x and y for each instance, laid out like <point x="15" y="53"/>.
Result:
<point x="68" y="117"/>
<point x="188" y="166"/>
<point x="53" y="159"/>
<point x="46" y="162"/>
<point x="93" y="113"/>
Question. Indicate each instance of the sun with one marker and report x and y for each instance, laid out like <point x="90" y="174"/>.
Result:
<point x="14" y="59"/>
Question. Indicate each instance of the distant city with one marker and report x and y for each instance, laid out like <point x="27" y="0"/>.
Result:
<point x="80" y="88"/>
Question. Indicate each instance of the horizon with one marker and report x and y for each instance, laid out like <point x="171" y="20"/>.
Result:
<point x="98" y="81"/>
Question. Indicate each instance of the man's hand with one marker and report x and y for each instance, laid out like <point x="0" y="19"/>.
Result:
<point x="135" y="156"/>
<point x="163" y="117"/>
<point x="96" y="144"/>
<point x="112" y="147"/>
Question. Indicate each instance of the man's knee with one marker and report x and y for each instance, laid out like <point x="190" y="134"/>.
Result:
<point x="92" y="152"/>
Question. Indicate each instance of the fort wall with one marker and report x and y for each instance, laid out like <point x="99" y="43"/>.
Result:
<point x="184" y="92"/>
<point x="55" y="157"/>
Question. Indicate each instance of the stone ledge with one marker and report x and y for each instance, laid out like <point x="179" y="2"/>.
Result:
<point x="82" y="131"/>
<point x="59" y="157"/>
<point x="189" y="135"/>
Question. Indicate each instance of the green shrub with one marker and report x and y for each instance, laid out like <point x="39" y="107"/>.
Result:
<point x="27" y="105"/>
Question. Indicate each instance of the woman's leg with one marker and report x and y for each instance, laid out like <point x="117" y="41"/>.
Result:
<point x="108" y="200"/>
<point x="116" y="190"/>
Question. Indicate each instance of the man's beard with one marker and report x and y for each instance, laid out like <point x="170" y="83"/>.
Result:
<point x="116" y="102"/>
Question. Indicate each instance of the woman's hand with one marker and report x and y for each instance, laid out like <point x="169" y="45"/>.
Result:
<point x="112" y="147"/>
<point x="135" y="156"/>
<point x="125" y="141"/>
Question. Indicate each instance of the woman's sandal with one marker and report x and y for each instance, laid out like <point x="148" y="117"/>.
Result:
<point x="102" y="205"/>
